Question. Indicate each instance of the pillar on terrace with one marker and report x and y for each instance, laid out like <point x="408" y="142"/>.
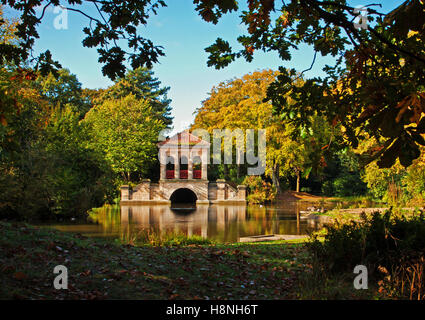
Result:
<point x="221" y="189"/>
<point x="190" y="168"/>
<point x="125" y="192"/>
<point x="204" y="162"/>
<point x="162" y="173"/>
<point x="204" y="171"/>
<point x="241" y="192"/>
<point x="177" y="167"/>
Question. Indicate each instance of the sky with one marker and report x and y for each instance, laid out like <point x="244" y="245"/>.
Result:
<point x="184" y="36"/>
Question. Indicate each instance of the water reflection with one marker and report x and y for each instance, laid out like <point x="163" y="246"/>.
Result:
<point x="183" y="208"/>
<point x="223" y="223"/>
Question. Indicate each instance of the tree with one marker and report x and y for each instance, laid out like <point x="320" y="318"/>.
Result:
<point x="23" y="113"/>
<point x="143" y="85"/>
<point x="307" y="150"/>
<point x="239" y="104"/>
<point x="415" y="180"/>
<point x="113" y="21"/>
<point x="47" y="167"/>
<point x="8" y="89"/>
<point x="79" y="178"/>
<point x="285" y="155"/>
<point x="342" y="176"/>
<point x="65" y="89"/>
<point x="376" y="85"/>
<point x="8" y="30"/>
<point x="126" y="131"/>
<point x="319" y="23"/>
<point x="397" y="184"/>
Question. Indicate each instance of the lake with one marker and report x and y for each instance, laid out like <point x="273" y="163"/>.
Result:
<point x="222" y="223"/>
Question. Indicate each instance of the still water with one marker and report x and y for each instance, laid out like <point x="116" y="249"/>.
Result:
<point x="222" y="223"/>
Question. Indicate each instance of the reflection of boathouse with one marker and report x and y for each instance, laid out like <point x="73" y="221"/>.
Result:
<point x="206" y="221"/>
<point x="183" y="176"/>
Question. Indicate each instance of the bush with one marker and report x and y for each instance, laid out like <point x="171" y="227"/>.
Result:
<point x="259" y="191"/>
<point x="379" y="240"/>
<point x="390" y="246"/>
<point x="406" y="280"/>
<point x="154" y="238"/>
<point x="415" y="182"/>
<point x="348" y="184"/>
<point x="379" y="179"/>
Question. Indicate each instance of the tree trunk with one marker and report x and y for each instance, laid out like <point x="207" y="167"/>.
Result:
<point x="275" y="178"/>
<point x="298" y="180"/>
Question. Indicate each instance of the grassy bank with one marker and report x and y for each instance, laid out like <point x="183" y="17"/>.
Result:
<point x="104" y="270"/>
<point x="346" y="215"/>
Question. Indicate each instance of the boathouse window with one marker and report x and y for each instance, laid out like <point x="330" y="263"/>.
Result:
<point x="170" y="168"/>
<point x="197" y="167"/>
<point x="183" y="167"/>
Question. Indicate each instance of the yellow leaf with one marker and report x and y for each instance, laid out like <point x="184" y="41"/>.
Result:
<point x="412" y="33"/>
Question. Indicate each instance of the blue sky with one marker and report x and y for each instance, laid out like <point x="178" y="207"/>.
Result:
<point x="184" y="36"/>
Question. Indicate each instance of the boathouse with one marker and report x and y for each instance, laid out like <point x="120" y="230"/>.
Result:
<point x="183" y="177"/>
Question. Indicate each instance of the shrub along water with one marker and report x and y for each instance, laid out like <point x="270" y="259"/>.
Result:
<point x="259" y="191"/>
<point x="155" y="238"/>
<point x="391" y="246"/>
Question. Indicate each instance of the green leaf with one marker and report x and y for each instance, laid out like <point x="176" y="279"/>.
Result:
<point x="307" y="172"/>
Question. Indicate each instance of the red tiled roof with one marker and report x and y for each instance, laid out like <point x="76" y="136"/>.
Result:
<point x="183" y="138"/>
